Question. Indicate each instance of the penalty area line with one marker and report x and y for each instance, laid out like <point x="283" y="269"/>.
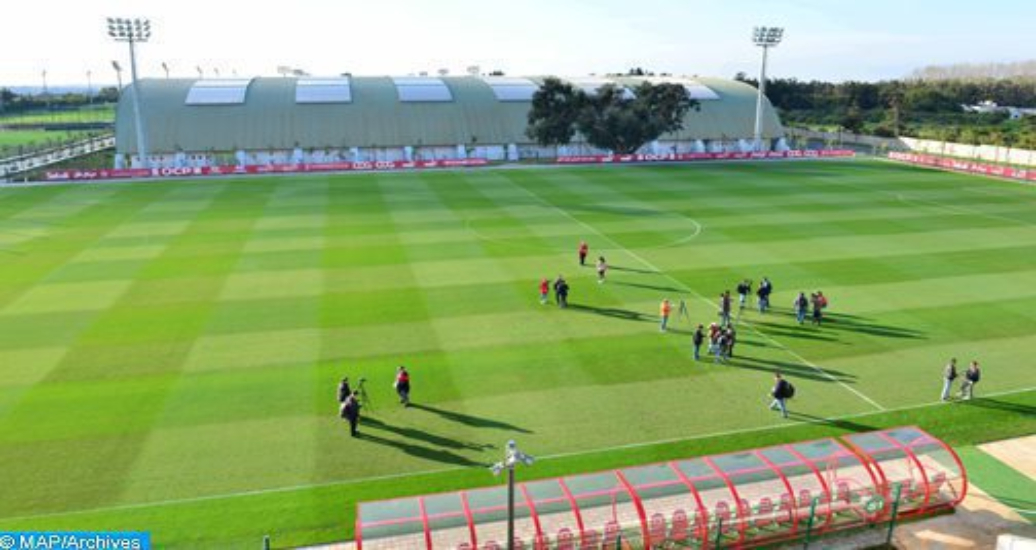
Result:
<point x="701" y="297"/>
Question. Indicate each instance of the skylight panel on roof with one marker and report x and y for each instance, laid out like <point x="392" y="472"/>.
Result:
<point x="421" y="89"/>
<point x="227" y="91"/>
<point x="323" y="90"/>
<point x="510" y="88"/>
<point x="695" y="89"/>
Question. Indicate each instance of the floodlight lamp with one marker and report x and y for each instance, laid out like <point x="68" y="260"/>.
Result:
<point x="527" y="460"/>
<point x="497" y="468"/>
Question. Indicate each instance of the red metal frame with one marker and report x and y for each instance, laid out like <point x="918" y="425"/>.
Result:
<point x="737" y="498"/>
<point x="637" y="504"/>
<point x="820" y="477"/>
<point x="920" y="469"/>
<point x="532" y="509"/>
<point x="697" y="498"/>
<point x="424" y="522"/>
<point x="787" y="485"/>
<point x="575" y="508"/>
<point x="471" y="520"/>
<point x="844" y="453"/>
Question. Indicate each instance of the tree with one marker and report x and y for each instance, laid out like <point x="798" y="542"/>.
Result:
<point x="555" y="107"/>
<point x="612" y="119"/>
<point x="853" y="120"/>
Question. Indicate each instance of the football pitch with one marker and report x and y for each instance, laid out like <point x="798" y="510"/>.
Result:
<point x="169" y="351"/>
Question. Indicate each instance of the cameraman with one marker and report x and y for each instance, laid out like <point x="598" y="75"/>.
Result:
<point x="351" y="411"/>
<point x="344" y="390"/>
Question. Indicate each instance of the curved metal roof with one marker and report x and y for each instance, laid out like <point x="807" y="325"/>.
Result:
<point x="270" y="117"/>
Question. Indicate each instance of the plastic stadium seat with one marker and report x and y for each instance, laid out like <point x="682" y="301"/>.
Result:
<point x="491" y="545"/>
<point x="591" y="539"/>
<point x="656" y="529"/>
<point x="464" y="546"/>
<point x="723" y="515"/>
<point x="805" y="498"/>
<point x="764" y="514"/>
<point x="611" y="533"/>
<point x="843" y="494"/>
<point x="786" y="509"/>
<point x="937" y="480"/>
<point x="541" y="542"/>
<point x="679" y="532"/>
<point x="566" y="541"/>
<point x="519" y="544"/>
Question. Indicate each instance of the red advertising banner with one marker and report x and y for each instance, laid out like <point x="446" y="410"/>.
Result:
<point x="361" y="166"/>
<point x="689" y="157"/>
<point x="1027" y="174"/>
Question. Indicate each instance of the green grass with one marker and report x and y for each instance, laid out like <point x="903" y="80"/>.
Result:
<point x="15" y="138"/>
<point x="95" y="113"/>
<point x="169" y="351"/>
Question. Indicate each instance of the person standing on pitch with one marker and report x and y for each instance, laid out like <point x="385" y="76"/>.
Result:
<point x="561" y="289"/>
<point x="402" y="385"/>
<point x="351" y="411"/>
<point x="602" y="267"/>
<point x="664" y="309"/>
<point x="584" y="249"/>
<point x="743" y="288"/>
<point x="781" y="391"/>
<point x="724" y="308"/>
<point x="697" y="340"/>
<point x="344" y="391"/>
<point x="971" y="377"/>
<point x="557" y="287"/>
<point x="544" y="291"/>
<point x="801" y="304"/>
<point x="948" y="376"/>
<point x="765" y="288"/>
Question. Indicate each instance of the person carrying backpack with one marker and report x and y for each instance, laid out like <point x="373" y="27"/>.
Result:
<point x="781" y="392"/>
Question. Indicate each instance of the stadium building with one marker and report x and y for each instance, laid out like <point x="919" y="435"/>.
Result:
<point x="257" y="121"/>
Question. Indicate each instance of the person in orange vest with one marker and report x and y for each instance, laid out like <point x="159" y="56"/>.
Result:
<point x="584" y="249"/>
<point x="664" y="310"/>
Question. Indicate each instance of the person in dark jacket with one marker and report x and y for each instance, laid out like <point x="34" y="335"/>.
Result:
<point x="781" y="392"/>
<point x="949" y="374"/>
<point x="801" y="305"/>
<point x="765" y="289"/>
<point x="344" y="391"/>
<point x="351" y="412"/>
<point x="971" y="377"/>
<point x="697" y="339"/>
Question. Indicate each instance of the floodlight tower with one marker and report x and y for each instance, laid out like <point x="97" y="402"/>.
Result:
<point x="133" y="31"/>
<point x="511" y="459"/>
<point x="765" y="38"/>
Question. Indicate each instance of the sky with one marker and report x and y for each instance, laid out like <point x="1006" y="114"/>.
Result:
<point x="834" y="40"/>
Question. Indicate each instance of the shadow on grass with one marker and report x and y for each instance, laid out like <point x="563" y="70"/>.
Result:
<point x="632" y="269"/>
<point x="794" y="330"/>
<point x="649" y="287"/>
<point x="426" y="437"/>
<point x="419" y="451"/>
<point x="987" y="403"/>
<point x="615" y="312"/>
<point x="469" y="420"/>
<point x="793" y="370"/>
<point x="852" y="323"/>
<point x="843" y="424"/>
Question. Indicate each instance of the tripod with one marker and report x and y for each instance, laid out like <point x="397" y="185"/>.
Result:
<point x="365" y="398"/>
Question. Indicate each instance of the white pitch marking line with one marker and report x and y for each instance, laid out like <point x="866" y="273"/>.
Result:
<point x="679" y="283"/>
<point x="275" y="490"/>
